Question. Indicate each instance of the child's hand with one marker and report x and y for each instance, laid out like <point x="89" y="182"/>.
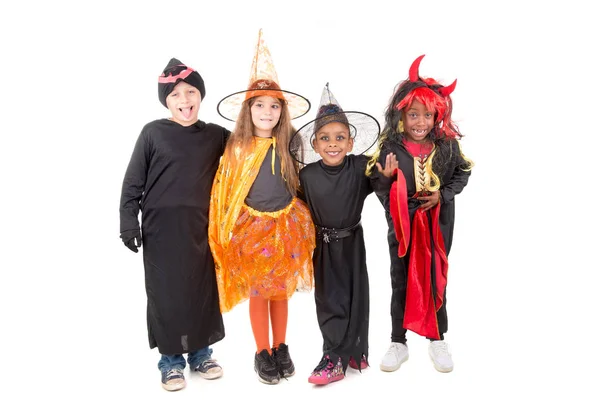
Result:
<point x="429" y="201"/>
<point x="391" y="164"/>
<point x="132" y="239"/>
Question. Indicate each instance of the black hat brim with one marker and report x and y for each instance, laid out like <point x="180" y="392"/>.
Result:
<point x="366" y="133"/>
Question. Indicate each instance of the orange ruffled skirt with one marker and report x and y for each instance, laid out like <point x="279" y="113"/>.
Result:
<point x="269" y="255"/>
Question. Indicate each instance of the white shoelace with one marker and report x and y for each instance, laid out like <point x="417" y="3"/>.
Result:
<point x="210" y="363"/>
<point x="394" y="349"/>
<point x="440" y="348"/>
<point x="174" y="371"/>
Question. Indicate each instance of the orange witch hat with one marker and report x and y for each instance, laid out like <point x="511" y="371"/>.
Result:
<point x="263" y="82"/>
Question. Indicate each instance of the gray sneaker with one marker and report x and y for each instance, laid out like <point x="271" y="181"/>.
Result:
<point x="173" y="379"/>
<point x="209" y="369"/>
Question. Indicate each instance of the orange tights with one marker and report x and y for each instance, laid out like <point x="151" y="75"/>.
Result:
<point x="259" y="319"/>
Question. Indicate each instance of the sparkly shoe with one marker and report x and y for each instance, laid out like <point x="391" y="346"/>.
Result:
<point x="327" y="371"/>
<point x="363" y="363"/>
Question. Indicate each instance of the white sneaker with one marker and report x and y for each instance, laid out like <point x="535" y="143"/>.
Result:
<point x="441" y="357"/>
<point x="394" y="357"/>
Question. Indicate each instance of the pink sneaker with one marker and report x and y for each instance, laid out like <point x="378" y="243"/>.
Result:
<point x="327" y="372"/>
<point x="363" y="363"/>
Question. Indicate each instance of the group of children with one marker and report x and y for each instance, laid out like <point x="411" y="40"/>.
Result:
<point x="266" y="210"/>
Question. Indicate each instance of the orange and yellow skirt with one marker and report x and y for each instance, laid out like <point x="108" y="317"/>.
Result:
<point x="269" y="255"/>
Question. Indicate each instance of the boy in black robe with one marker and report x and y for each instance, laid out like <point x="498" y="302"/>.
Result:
<point x="169" y="179"/>
<point x="335" y="189"/>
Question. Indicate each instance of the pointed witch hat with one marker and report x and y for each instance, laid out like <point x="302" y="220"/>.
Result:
<point x="364" y="129"/>
<point x="263" y="82"/>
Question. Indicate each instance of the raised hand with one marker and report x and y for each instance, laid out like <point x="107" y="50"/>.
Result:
<point x="391" y="164"/>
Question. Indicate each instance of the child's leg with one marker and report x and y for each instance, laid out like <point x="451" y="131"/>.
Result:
<point x="259" y="319"/>
<point x="279" y="317"/>
<point x="200" y="361"/>
<point x="398" y="351"/>
<point x="281" y="353"/>
<point x="398" y="272"/>
<point x="195" y="358"/>
<point x="171" y="361"/>
<point x="171" y="367"/>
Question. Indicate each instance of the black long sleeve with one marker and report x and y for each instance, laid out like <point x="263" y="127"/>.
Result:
<point x="459" y="178"/>
<point x="134" y="184"/>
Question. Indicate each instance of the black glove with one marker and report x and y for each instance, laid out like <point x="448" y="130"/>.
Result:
<point x="130" y="238"/>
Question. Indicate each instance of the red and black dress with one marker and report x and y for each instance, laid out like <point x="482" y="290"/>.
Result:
<point x="420" y="241"/>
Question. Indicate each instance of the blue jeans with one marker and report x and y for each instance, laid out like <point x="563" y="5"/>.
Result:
<point x="195" y="358"/>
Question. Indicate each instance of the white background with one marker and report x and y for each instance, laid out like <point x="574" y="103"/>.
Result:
<point x="79" y="83"/>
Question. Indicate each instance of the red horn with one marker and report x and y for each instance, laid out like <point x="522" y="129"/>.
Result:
<point x="413" y="72"/>
<point x="446" y="90"/>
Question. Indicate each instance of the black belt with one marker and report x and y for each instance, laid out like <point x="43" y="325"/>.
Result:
<point x="329" y="234"/>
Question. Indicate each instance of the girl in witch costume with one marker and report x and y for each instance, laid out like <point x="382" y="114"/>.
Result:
<point x="168" y="179"/>
<point x="335" y="188"/>
<point x="420" y="211"/>
<point x="261" y="235"/>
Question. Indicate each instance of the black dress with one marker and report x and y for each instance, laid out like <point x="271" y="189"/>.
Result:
<point x="169" y="178"/>
<point x="335" y="196"/>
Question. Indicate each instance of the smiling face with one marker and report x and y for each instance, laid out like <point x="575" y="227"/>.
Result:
<point x="418" y="121"/>
<point x="333" y="142"/>
<point x="265" y="111"/>
<point x="184" y="103"/>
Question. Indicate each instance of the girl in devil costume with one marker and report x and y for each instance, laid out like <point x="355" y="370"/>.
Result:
<point x="420" y="211"/>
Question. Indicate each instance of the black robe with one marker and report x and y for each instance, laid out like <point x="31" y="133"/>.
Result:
<point x="335" y="196"/>
<point x="169" y="178"/>
<point x="449" y="166"/>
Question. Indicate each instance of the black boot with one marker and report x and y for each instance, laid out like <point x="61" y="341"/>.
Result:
<point x="266" y="368"/>
<point x="282" y="358"/>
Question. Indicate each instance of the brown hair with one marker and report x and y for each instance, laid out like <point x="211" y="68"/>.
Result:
<point x="242" y="138"/>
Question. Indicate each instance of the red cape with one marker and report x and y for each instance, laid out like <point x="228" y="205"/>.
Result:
<point x="427" y="244"/>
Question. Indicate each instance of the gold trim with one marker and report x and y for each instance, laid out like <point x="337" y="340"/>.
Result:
<point x="422" y="175"/>
<point x="272" y="214"/>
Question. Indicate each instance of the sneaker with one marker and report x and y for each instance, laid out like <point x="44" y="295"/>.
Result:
<point x="441" y="357"/>
<point x="266" y="368"/>
<point x="327" y="371"/>
<point x="281" y="355"/>
<point x="394" y="357"/>
<point x="173" y="379"/>
<point x="209" y="369"/>
<point x="363" y="363"/>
